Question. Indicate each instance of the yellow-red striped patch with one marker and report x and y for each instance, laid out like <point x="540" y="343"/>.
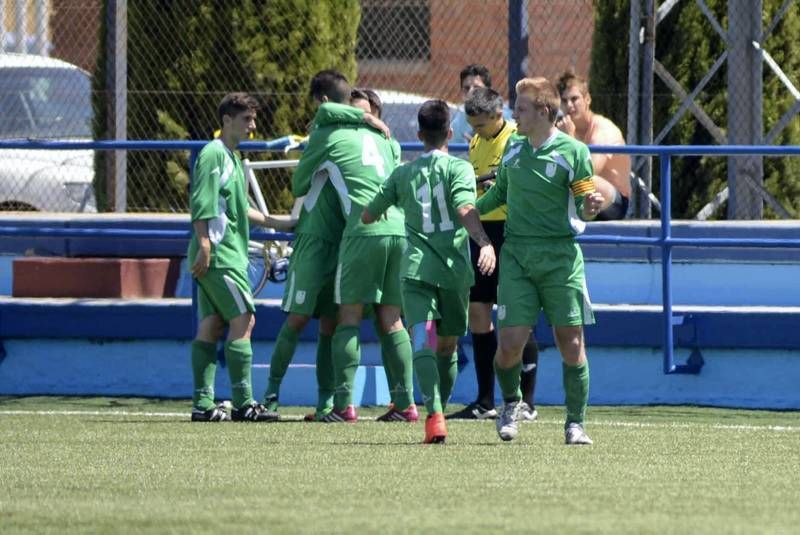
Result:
<point x="582" y="187"/>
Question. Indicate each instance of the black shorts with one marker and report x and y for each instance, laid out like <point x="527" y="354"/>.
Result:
<point x="485" y="288"/>
<point x="616" y="210"/>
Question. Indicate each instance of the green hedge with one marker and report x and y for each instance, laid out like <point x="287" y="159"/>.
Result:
<point x="687" y="46"/>
<point x="184" y="55"/>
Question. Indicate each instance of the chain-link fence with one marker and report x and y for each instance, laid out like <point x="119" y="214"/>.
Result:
<point x="164" y="65"/>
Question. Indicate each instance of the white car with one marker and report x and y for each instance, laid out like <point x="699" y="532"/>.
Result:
<point x="400" y="113"/>
<point x="50" y="99"/>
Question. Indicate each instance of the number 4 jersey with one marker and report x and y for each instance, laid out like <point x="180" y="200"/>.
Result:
<point x="356" y="160"/>
<point x="430" y="190"/>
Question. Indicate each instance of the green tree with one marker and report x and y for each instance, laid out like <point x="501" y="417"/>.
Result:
<point x="608" y="73"/>
<point x="185" y="55"/>
<point x="687" y="46"/>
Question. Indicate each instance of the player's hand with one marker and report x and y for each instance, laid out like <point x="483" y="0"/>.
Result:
<point x="201" y="262"/>
<point x="377" y="124"/>
<point x="592" y="204"/>
<point x="486" y="260"/>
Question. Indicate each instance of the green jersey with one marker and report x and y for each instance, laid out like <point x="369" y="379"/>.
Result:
<point x="356" y="160"/>
<point x="430" y="190"/>
<point x="544" y="188"/>
<point x="219" y="196"/>
<point x="321" y="212"/>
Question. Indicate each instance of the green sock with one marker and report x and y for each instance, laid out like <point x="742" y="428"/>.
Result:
<point x="204" y="369"/>
<point x="325" y="378"/>
<point x="508" y="379"/>
<point x="346" y="350"/>
<point x="388" y="365"/>
<point x="400" y="353"/>
<point x="285" y="345"/>
<point x="428" y="377"/>
<point x="576" y="389"/>
<point x="239" y="354"/>
<point x="448" y="370"/>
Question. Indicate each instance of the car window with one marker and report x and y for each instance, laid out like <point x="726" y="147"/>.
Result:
<point x="402" y="120"/>
<point x="45" y="103"/>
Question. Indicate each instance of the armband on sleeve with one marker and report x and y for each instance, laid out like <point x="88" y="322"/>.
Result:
<point x="582" y="187"/>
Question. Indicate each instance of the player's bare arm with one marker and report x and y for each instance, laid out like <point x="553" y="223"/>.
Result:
<point x="283" y="222"/>
<point x="470" y="219"/>
<point x="377" y="124"/>
<point x="203" y="258"/>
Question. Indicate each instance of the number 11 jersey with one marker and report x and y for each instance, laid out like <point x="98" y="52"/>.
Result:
<point x="430" y="190"/>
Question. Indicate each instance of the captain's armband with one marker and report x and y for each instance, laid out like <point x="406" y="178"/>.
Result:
<point x="582" y="187"/>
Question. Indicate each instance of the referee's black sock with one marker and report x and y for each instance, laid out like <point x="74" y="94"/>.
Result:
<point x="484" y="346"/>
<point x="530" y="364"/>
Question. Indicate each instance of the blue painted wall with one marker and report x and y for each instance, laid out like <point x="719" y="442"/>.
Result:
<point x="740" y="307"/>
<point x="619" y="375"/>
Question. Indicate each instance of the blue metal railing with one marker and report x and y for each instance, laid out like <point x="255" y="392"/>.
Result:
<point x="665" y="241"/>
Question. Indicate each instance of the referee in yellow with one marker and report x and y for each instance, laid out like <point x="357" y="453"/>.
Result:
<point x="484" y="111"/>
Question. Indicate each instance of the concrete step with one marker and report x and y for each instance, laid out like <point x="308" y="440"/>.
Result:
<point x="617" y="324"/>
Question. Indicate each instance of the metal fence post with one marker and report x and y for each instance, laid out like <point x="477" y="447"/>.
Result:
<point x="745" y="121"/>
<point x="646" y="107"/>
<point x="517" y="45"/>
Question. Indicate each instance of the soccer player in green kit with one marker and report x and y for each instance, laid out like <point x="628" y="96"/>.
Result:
<point x="309" y="287"/>
<point x="218" y="258"/>
<point x="437" y="195"/>
<point x="545" y="180"/>
<point x="356" y="160"/>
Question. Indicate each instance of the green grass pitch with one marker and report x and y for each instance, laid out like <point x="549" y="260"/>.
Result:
<point x="117" y="465"/>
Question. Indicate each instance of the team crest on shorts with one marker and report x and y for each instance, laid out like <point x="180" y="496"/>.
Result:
<point x="501" y="312"/>
<point x="550" y="170"/>
<point x="300" y="297"/>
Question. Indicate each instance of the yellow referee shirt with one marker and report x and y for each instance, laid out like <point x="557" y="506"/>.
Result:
<point x="485" y="155"/>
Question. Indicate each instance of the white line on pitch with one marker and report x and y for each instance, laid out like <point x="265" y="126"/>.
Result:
<point x="590" y="423"/>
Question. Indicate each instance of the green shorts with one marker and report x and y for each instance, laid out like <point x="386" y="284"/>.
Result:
<point x="449" y="307"/>
<point x="225" y="293"/>
<point x="369" y="270"/>
<point x="545" y="275"/>
<point x="309" y="284"/>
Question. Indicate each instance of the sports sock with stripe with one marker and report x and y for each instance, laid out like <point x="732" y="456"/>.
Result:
<point x="484" y="346"/>
<point x="448" y="370"/>
<point x="325" y="378"/>
<point x="530" y="364"/>
<point x="508" y="378"/>
<point x="239" y="354"/>
<point x="388" y="363"/>
<point x="400" y="353"/>
<point x="204" y="370"/>
<point x="428" y="377"/>
<point x="346" y="349"/>
<point x="576" y="389"/>
<point x="285" y="346"/>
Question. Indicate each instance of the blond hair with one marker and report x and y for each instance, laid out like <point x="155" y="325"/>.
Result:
<point x="542" y="92"/>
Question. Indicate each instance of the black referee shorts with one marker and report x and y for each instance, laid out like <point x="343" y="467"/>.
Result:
<point x="485" y="288"/>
